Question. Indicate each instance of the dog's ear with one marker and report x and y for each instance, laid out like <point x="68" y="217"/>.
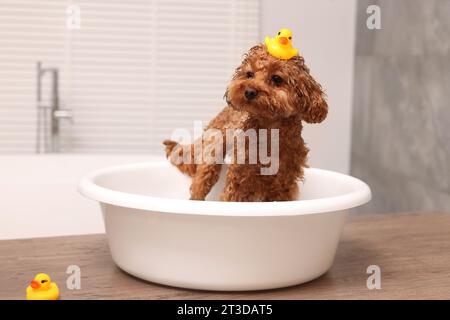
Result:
<point x="313" y="106"/>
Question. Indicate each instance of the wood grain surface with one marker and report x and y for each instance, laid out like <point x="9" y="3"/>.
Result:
<point x="412" y="250"/>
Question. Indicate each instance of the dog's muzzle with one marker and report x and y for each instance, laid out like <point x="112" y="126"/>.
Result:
<point x="250" y="94"/>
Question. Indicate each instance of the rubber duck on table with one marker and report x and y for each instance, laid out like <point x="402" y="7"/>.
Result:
<point x="281" y="46"/>
<point x="42" y="288"/>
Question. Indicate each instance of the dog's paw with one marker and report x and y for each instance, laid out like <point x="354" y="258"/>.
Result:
<point x="198" y="190"/>
<point x="197" y="198"/>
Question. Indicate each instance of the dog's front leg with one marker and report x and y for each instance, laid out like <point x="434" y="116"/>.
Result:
<point x="204" y="179"/>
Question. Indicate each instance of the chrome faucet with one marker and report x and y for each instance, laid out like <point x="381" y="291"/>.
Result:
<point x="49" y="115"/>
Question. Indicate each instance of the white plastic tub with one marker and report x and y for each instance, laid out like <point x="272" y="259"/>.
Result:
<point x="156" y="234"/>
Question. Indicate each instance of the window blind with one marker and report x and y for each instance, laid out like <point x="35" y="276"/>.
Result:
<point x="134" y="71"/>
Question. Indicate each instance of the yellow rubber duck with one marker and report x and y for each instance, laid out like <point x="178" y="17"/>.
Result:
<point x="42" y="288"/>
<point x="281" y="46"/>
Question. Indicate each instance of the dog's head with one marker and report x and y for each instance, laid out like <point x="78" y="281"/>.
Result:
<point x="271" y="88"/>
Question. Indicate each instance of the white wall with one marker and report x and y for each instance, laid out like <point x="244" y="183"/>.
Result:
<point x="324" y="31"/>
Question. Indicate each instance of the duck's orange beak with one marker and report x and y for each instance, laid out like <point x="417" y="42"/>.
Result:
<point x="283" y="40"/>
<point x="35" y="285"/>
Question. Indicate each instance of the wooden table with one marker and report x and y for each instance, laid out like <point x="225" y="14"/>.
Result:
<point x="412" y="250"/>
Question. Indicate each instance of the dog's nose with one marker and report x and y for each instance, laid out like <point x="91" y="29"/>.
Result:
<point x="250" y="94"/>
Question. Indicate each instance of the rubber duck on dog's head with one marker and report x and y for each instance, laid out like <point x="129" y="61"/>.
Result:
<point x="281" y="46"/>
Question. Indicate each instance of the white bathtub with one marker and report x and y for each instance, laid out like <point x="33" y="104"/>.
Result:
<point x="38" y="195"/>
<point x="155" y="233"/>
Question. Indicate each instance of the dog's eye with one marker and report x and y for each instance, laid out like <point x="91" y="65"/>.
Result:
<point x="277" y="80"/>
<point x="249" y="74"/>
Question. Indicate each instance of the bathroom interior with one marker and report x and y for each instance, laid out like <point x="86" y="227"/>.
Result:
<point x="90" y="84"/>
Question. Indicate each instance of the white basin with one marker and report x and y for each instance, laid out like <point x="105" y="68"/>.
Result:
<point x="156" y="234"/>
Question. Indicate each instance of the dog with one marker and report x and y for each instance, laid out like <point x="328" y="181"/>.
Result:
<point x="265" y="93"/>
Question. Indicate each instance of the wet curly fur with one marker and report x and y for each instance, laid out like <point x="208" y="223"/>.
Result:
<point x="282" y="94"/>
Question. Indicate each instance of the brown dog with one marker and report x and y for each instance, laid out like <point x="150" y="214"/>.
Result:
<point x="265" y="93"/>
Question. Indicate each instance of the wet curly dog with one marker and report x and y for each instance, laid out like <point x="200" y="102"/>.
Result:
<point x="264" y="93"/>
